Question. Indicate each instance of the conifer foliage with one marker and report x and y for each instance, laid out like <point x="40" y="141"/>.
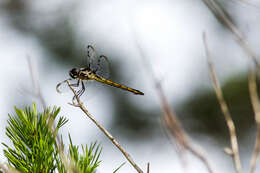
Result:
<point x="37" y="148"/>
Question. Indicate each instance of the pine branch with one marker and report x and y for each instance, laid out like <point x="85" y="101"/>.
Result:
<point x="33" y="141"/>
<point x="36" y="149"/>
<point x="89" y="161"/>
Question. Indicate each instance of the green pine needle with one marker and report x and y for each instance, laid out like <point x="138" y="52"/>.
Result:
<point x="119" y="167"/>
<point x="89" y="161"/>
<point x="33" y="141"/>
<point x="35" y="148"/>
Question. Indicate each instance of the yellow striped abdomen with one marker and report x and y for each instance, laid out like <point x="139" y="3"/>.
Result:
<point x="114" y="84"/>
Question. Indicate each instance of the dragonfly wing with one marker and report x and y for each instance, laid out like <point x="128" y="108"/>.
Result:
<point x="103" y="67"/>
<point x="92" y="57"/>
<point x="100" y="65"/>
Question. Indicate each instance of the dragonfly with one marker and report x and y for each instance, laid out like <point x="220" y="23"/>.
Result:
<point x="93" y="72"/>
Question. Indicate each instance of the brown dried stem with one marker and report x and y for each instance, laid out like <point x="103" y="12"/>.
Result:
<point x="112" y="139"/>
<point x="169" y="117"/>
<point x="224" y="18"/>
<point x="148" y="168"/>
<point x="225" y="110"/>
<point x="176" y="130"/>
<point x="256" y="106"/>
<point x="246" y="2"/>
<point x="8" y="169"/>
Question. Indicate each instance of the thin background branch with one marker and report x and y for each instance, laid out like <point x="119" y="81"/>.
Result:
<point x="224" y="18"/>
<point x="112" y="139"/>
<point x="7" y="169"/>
<point x="169" y="117"/>
<point x="36" y="92"/>
<point x="176" y="130"/>
<point x="148" y="168"/>
<point x="246" y="2"/>
<point x="225" y="110"/>
<point x="256" y="106"/>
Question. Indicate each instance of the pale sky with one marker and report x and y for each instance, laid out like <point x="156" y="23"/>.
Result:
<point x="170" y="34"/>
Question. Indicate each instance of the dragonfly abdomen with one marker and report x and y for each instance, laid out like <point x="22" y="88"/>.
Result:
<point x="117" y="85"/>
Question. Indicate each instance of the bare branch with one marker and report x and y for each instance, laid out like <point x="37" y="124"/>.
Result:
<point x="225" y="110"/>
<point x="175" y="128"/>
<point x="148" y="167"/>
<point x="7" y="168"/>
<point x="225" y="19"/>
<point x="256" y="106"/>
<point x="246" y="2"/>
<point x="169" y="118"/>
<point x="222" y="16"/>
<point x="112" y="139"/>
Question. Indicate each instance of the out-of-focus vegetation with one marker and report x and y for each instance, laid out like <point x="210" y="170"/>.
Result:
<point x="202" y="113"/>
<point x="56" y="32"/>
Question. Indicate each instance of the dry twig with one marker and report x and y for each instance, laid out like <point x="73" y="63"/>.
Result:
<point x="246" y="2"/>
<point x="170" y="119"/>
<point x="2" y="166"/>
<point x="221" y="14"/>
<point x="8" y="169"/>
<point x="223" y="17"/>
<point x="176" y="130"/>
<point x="225" y="110"/>
<point x="256" y="106"/>
<point x="113" y="140"/>
<point x="148" y="168"/>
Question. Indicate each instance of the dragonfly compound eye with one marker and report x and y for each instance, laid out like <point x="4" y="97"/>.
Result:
<point x="74" y="73"/>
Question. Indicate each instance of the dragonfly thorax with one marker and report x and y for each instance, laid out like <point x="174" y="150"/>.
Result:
<point x="82" y="73"/>
<point x="86" y="74"/>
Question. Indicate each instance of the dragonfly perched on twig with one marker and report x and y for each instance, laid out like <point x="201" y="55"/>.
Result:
<point x="93" y="72"/>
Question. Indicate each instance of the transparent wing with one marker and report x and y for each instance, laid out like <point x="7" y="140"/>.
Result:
<point x="100" y="64"/>
<point x="92" y="58"/>
<point x="103" y="67"/>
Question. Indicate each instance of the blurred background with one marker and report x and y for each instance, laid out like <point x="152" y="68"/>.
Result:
<point x="55" y="34"/>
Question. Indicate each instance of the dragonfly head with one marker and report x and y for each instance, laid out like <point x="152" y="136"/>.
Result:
<point x="74" y="73"/>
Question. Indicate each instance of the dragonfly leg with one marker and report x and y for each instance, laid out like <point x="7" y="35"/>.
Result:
<point x="82" y="90"/>
<point x="59" y="84"/>
<point x="75" y="84"/>
<point x="79" y="92"/>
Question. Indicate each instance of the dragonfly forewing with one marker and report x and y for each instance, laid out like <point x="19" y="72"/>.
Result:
<point x="100" y="65"/>
<point x="103" y="67"/>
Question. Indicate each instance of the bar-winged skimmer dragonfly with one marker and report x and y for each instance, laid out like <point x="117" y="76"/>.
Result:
<point x="93" y="72"/>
